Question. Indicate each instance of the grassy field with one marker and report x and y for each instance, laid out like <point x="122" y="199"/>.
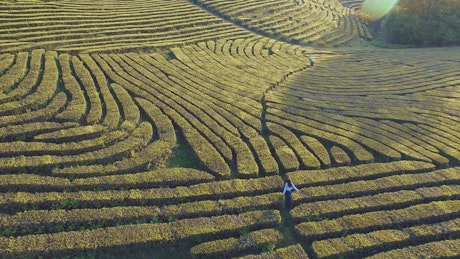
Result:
<point x="167" y="128"/>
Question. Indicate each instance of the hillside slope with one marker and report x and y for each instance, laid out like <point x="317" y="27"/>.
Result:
<point x="100" y="101"/>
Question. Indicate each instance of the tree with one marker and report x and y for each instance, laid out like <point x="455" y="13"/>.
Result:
<point x="428" y="9"/>
<point x="402" y="28"/>
<point x="423" y="23"/>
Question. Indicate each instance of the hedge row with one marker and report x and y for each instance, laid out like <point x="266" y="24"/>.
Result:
<point x="63" y="218"/>
<point x="29" y="81"/>
<point x="437" y="249"/>
<point x="132" y="28"/>
<point x="165" y="177"/>
<point x="393" y="144"/>
<point x="158" y="234"/>
<point x="222" y="206"/>
<point x="242" y="61"/>
<point x="199" y="79"/>
<point x="199" y="58"/>
<point x="268" y="164"/>
<point x="306" y="158"/>
<point x="346" y="25"/>
<point x="318" y="149"/>
<point x="187" y="109"/>
<point x="221" y="189"/>
<point x="202" y="147"/>
<point x="85" y="132"/>
<point x="43" y="94"/>
<point x="200" y="91"/>
<point x="404" y="140"/>
<point x="434" y="211"/>
<point x="220" y="137"/>
<point x="253" y="242"/>
<point x="138" y="139"/>
<point x="353" y="245"/>
<point x="339" y="156"/>
<point x="369" y="187"/>
<point x="76" y="108"/>
<point x="356" y="244"/>
<point x="360" y="154"/>
<point x="95" y="110"/>
<point x="111" y="116"/>
<point x="37" y="148"/>
<point x="148" y="179"/>
<point x="22" y="131"/>
<point x="420" y="130"/>
<point x="32" y="183"/>
<point x="293" y="251"/>
<point x="184" y="35"/>
<point x="130" y="111"/>
<point x="359" y="172"/>
<point x="189" y="59"/>
<point x="57" y="103"/>
<point x="47" y="87"/>
<point x="286" y="156"/>
<point x="15" y="73"/>
<point x="339" y="207"/>
<point x="207" y="153"/>
<point x="193" y="58"/>
<point x="6" y="60"/>
<point x="163" y="125"/>
<point x="447" y="142"/>
<point x="149" y="157"/>
<point x="301" y="21"/>
<point x="245" y="161"/>
<point x="390" y="79"/>
<point x="235" y="81"/>
<point x="360" y="135"/>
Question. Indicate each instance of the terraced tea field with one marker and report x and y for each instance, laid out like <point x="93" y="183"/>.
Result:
<point x="166" y="128"/>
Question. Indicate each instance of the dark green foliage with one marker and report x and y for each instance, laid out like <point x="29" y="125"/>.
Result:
<point x="424" y="23"/>
<point x="401" y="28"/>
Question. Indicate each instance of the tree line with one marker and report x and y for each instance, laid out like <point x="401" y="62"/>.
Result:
<point x="423" y="23"/>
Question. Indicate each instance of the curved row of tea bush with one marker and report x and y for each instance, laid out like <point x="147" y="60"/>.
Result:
<point x="106" y="216"/>
<point x="138" y="139"/>
<point x="43" y="94"/>
<point x="210" y="125"/>
<point x="63" y="217"/>
<point x="157" y="234"/>
<point x="146" y="179"/>
<point x="295" y="21"/>
<point x="220" y="189"/>
<point x="359" y="244"/>
<point x="293" y="251"/>
<point x="108" y="26"/>
<point x="40" y="103"/>
<point x="334" y="208"/>
<point x="253" y="242"/>
<point x="369" y="187"/>
<point x="445" y="248"/>
<point x="369" y="209"/>
<point x="397" y="113"/>
<point x="367" y="136"/>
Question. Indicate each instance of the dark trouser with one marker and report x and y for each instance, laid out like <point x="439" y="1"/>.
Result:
<point x="288" y="200"/>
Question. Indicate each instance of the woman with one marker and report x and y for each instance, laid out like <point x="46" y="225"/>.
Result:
<point x="288" y="187"/>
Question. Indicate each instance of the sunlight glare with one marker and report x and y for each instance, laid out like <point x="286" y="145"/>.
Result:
<point x="375" y="9"/>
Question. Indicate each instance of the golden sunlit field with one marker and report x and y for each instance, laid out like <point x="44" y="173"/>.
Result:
<point x="166" y="129"/>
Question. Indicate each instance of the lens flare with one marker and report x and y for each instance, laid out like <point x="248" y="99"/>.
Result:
<point x="375" y="9"/>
